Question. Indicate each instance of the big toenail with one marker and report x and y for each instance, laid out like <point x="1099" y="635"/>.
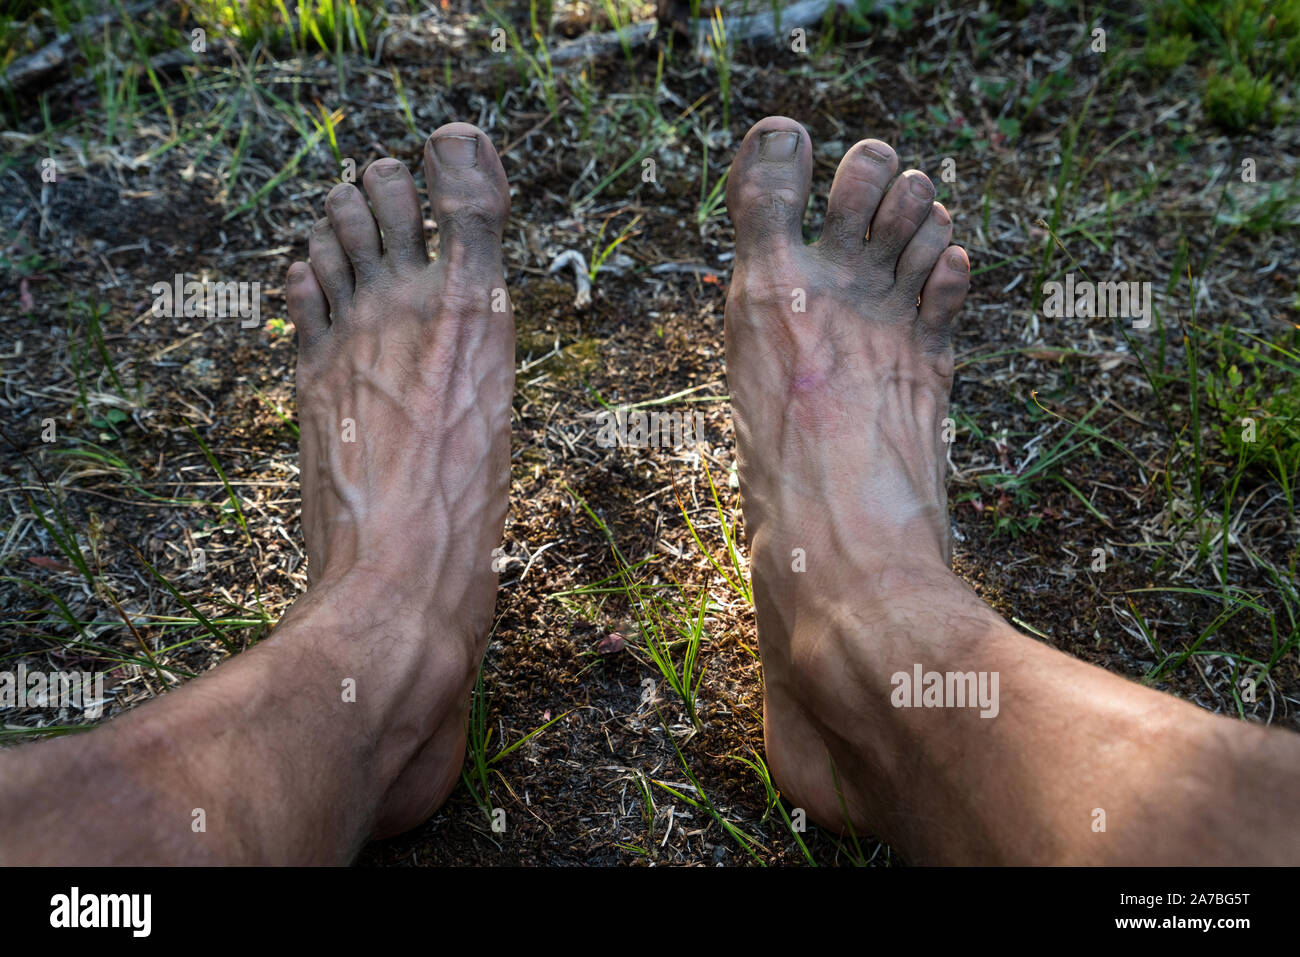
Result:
<point x="387" y="167"/>
<point x="778" y="146"/>
<point x="940" y="215"/>
<point x="456" y="150"/>
<point x="921" y="187"/>
<point x="874" y="154"/>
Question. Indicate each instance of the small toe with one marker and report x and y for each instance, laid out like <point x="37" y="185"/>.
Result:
<point x="902" y="212"/>
<point x="396" y="204"/>
<point x="330" y="264"/>
<point x="308" y="310"/>
<point x="860" y="183"/>
<point x="355" y="228"/>
<point x="923" y="252"/>
<point x="942" y="296"/>
<point x="768" y="185"/>
<point x="470" y="196"/>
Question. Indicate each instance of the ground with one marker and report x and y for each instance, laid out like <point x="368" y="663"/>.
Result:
<point x="1107" y="496"/>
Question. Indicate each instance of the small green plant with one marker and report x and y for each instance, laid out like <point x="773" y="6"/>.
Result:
<point x="1017" y="490"/>
<point x="901" y="16"/>
<point x="1252" y="49"/>
<point x="302" y="119"/>
<point x="1169" y="52"/>
<point x="717" y="40"/>
<point x="586" y="95"/>
<point x="620" y="23"/>
<point x="1254" y="385"/>
<point x="94" y="371"/>
<point x="407" y="116"/>
<point x="479" y="766"/>
<point x="666" y="623"/>
<point x="18" y="260"/>
<point x="711" y="200"/>
<point x="599" y="254"/>
<point x="1236" y="99"/>
<point x="748" y="843"/>
<point x="1275" y="211"/>
<point x="663" y="626"/>
<point x="536" y="62"/>
<point x="736" y="575"/>
<point x="87" y="454"/>
<point x="231" y="498"/>
<point x="327" y="25"/>
<point x="759" y="767"/>
<point x="656" y="134"/>
<point x="64" y="535"/>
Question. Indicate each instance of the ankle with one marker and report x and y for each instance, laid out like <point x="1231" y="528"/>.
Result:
<point x="404" y="667"/>
<point x="846" y="647"/>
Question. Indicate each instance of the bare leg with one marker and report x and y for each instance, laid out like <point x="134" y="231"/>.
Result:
<point x="350" y="719"/>
<point x="838" y="412"/>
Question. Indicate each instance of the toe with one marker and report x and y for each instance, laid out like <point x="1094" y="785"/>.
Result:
<point x="397" y="209"/>
<point x="767" y="188"/>
<point x="470" y="196"/>
<point x="942" y="296"/>
<point x="905" y="207"/>
<point x="355" y="228"/>
<point x="860" y="184"/>
<point x="308" y="310"/>
<point x="330" y="264"/>
<point x="923" y="252"/>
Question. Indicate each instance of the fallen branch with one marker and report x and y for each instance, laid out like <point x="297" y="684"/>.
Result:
<point x="58" y="54"/>
<point x="675" y="15"/>
<point x="595" y="45"/>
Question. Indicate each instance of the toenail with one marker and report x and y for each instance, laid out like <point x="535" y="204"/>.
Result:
<point x="940" y="215"/>
<point x="778" y="146"/>
<point x="921" y="187"/>
<point x="322" y="226"/>
<point x="386" y="167"/>
<point x="297" y="272"/>
<point x="456" y="150"/>
<point x="340" y="192"/>
<point x="957" y="260"/>
<point x="875" y="155"/>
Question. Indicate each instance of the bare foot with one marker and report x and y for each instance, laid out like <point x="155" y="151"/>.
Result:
<point x="839" y="384"/>
<point x="405" y="376"/>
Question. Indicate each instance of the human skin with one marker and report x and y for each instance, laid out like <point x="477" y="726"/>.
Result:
<point x="349" y="720"/>
<point x="839" y="412"/>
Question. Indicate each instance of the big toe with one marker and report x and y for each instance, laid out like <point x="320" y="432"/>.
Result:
<point x="768" y="186"/>
<point x="470" y="196"/>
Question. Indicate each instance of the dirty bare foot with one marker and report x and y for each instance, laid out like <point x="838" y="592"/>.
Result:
<point x="349" y="721"/>
<point x="839" y="364"/>
<point x="839" y="383"/>
<point x="404" y="384"/>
